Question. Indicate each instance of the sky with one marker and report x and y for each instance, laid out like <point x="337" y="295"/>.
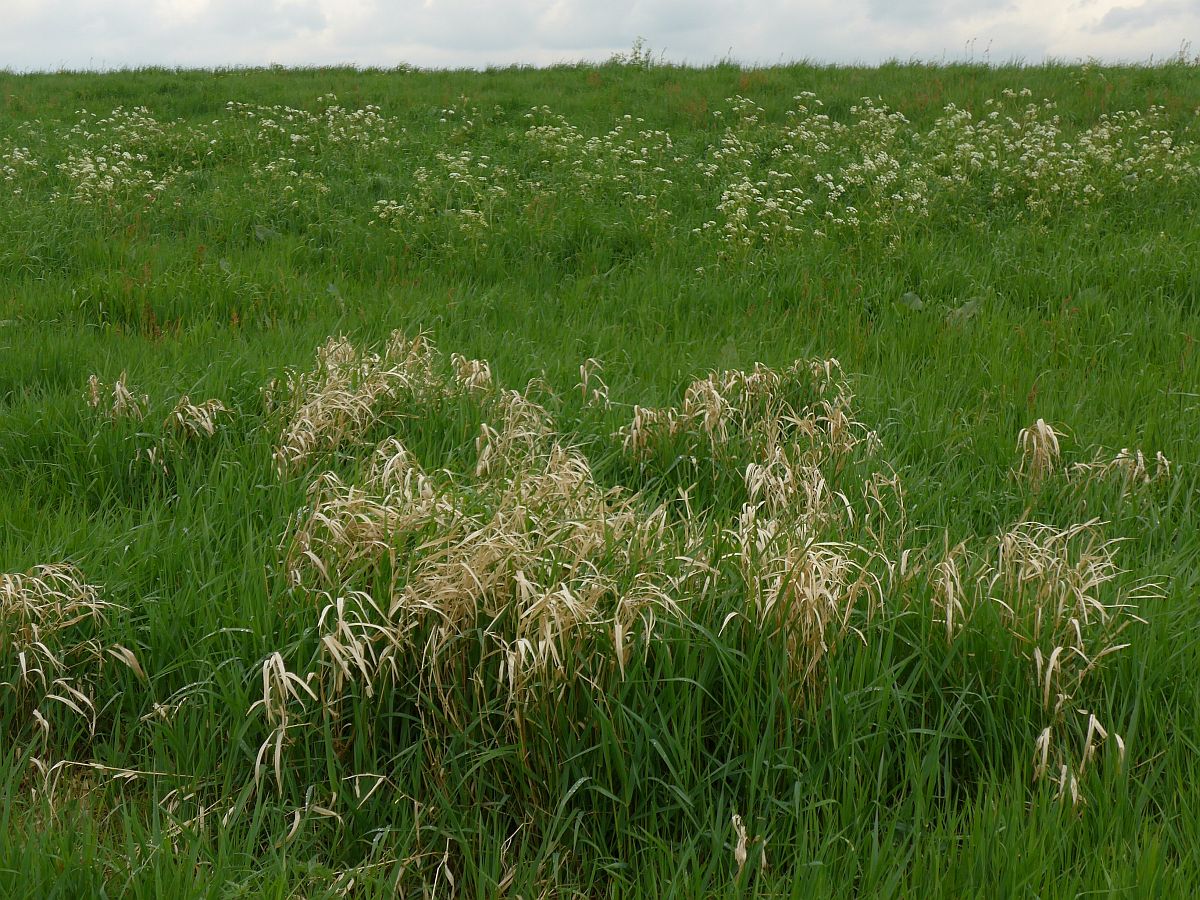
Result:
<point x="105" y="34"/>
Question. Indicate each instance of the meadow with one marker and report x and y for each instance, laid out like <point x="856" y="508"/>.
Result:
<point x="606" y="480"/>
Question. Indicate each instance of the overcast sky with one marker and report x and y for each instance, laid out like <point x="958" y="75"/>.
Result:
<point x="52" y="34"/>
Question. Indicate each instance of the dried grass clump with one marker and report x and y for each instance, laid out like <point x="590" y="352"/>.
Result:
<point x="118" y="401"/>
<point x="1059" y="598"/>
<point x="1039" y="448"/>
<point x="1051" y="584"/>
<point x="1130" y="467"/>
<point x="809" y="592"/>
<point x="949" y="595"/>
<point x="471" y="374"/>
<point x="805" y="581"/>
<point x="523" y="431"/>
<point x="1040" y="458"/>
<point x="790" y="431"/>
<point x="348" y="390"/>
<point x="281" y="690"/>
<point x="803" y="588"/>
<point x="762" y="407"/>
<point x="523" y="575"/>
<point x="190" y="420"/>
<point x="345" y="526"/>
<point x="589" y="375"/>
<point x="741" y="850"/>
<point x="541" y="556"/>
<point x="46" y="654"/>
<point x="517" y="578"/>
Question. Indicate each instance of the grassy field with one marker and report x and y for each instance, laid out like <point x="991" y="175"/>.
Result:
<point x="606" y="480"/>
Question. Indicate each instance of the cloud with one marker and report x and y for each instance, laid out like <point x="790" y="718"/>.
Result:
<point x="48" y="34"/>
<point x="1147" y="15"/>
<point x="928" y="11"/>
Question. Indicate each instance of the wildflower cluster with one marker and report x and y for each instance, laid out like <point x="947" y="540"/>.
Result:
<point x="15" y="164"/>
<point x="759" y="186"/>
<point x="1022" y="160"/>
<point x="875" y="174"/>
<point x="285" y="128"/>
<point x="302" y="148"/>
<point x="629" y="164"/>
<point x="120" y="159"/>
<point x="460" y="188"/>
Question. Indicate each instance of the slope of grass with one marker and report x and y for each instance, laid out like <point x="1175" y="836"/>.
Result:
<point x="532" y="605"/>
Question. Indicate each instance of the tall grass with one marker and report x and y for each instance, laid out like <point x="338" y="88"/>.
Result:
<point x="604" y="480"/>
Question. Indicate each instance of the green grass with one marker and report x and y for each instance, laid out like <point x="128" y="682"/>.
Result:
<point x="904" y="762"/>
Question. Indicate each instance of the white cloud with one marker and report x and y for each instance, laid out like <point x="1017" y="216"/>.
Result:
<point x="48" y="34"/>
<point x="1151" y="14"/>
